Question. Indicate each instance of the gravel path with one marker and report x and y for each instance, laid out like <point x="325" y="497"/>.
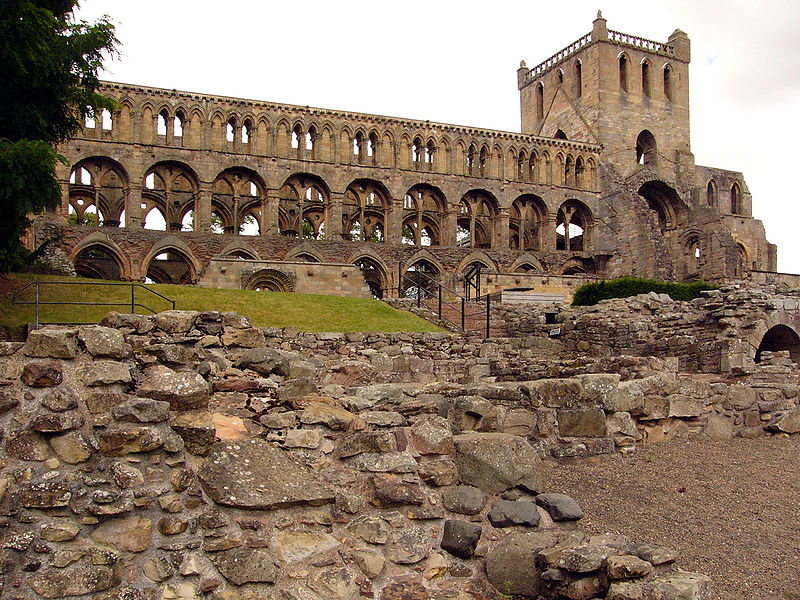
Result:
<point x="732" y="510"/>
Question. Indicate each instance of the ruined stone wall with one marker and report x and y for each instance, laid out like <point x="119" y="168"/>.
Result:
<point x="190" y="455"/>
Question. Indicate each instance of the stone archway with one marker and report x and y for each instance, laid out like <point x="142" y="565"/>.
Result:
<point x="269" y="280"/>
<point x="778" y="338"/>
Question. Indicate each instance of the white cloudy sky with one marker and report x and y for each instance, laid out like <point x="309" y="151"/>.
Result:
<point x="455" y="62"/>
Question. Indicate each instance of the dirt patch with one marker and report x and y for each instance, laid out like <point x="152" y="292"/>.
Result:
<point x="732" y="510"/>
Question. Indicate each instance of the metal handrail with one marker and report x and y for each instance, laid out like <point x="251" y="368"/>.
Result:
<point x="37" y="302"/>
<point x="416" y="281"/>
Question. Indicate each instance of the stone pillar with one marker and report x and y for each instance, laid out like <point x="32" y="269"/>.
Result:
<point x="134" y="216"/>
<point x="394" y="230"/>
<point x="202" y="208"/>
<point x="333" y="216"/>
<point x="270" y="224"/>
<point x="549" y="234"/>
<point x="502" y="237"/>
<point x="449" y="227"/>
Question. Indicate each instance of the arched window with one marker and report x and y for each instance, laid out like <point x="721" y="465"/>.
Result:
<point x="736" y="199"/>
<point x="230" y="130"/>
<point x="311" y="139"/>
<point x="482" y="159"/>
<point x="471" y="160"/>
<point x="430" y="150"/>
<point x="297" y="133"/>
<point x="578" y="79"/>
<point x="177" y="126"/>
<point x="372" y="147"/>
<point x="90" y="122"/>
<point x="417" y="152"/>
<point x="161" y="127"/>
<point x="573" y="225"/>
<point x="561" y="76"/>
<point x="540" y="101"/>
<point x="668" y="82"/>
<point x="646" y="78"/>
<point x="560" y="135"/>
<point x="359" y="149"/>
<point x="711" y="193"/>
<point x="623" y="73"/>
<point x="646" y="148"/>
<point x="247" y="132"/>
<point x="105" y="118"/>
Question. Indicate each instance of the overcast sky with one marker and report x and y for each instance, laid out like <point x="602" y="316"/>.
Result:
<point x="456" y="62"/>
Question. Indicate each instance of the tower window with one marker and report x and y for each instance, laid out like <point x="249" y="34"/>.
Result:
<point x="668" y="82"/>
<point x="578" y="79"/>
<point x="540" y="101"/>
<point x="623" y="73"/>
<point x="646" y="79"/>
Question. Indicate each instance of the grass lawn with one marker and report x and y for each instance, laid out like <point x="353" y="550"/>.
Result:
<point x="307" y="312"/>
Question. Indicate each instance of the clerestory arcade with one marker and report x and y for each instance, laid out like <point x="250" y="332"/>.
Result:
<point x="180" y="187"/>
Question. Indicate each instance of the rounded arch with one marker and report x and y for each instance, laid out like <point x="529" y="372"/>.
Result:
<point x="269" y="280"/>
<point x="785" y="318"/>
<point x="420" y="276"/>
<point x="170" y="261"/>
<point x="375" y="273"/>
<point x="424" y="210"/>
<point x="304" y="201"/>
<point x="736" y="199"/>
<point x="241" y="250"/>
<point x="579" y="266"/>
<point x="646" y="148"/>
<point x="304" y="252"/>
<point x="104" y="192"/>
<point x="780" y="338"/>
<point x="476" y="257"/>
<point x="100" y="260"/>
<point x="367" y="204"/>
<point x="477" y="220"/>
<point x="526" y="263"/>
<point x="665" y="202"/>
<point x="574" y="223"/>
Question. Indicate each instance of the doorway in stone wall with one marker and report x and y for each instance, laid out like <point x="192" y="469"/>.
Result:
<point x="780" y="338"/>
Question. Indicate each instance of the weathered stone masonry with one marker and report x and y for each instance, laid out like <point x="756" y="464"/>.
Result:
<point x="601" y="181"/>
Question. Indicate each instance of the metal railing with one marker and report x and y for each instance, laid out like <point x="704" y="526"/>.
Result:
<point x="38" y="302"/>
<point x="428" y="287"/>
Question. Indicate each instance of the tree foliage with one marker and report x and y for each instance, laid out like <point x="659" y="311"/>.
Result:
<point x="591" y="293"/>
<point x="49" y="66"/>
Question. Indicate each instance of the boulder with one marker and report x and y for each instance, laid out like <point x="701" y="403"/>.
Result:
<point x="788" y="422"/>
<point x="71" y="447"/>
<point x="390" y="490"/>
<point x="460" y="538"/>
<point x="297" y="546"/>
<point x="409" y="545"/>
<point x="42" y="374"/>
<point x="104" y="372"/>
<point x="679" y="586"/>
<point x="51" y="342"/>
<point x="176" y="321"/>
<point x="58" y="399"/>
<point x="510" y="513"/>
<point x="246" y="565"/>
<point x="131" y="534"/>
<point x="560" y="507"/>
<point x="555" y="393"/>
<point x="584" y="559"/>
<point x="321" y="413"/>
<point x="141" y="410"/>
<point x="183" y="390"/>
<point x="627" y="567"/>
<point x="438" y="472"/>
<point x="464" y="500"/>
<point x="432" y="436"/>
<point x="510" y="567"/>
<point x="265" y="361"/>
<point x="718" y="428"/>
<point x="118" y="441"/>
<point x="56" y="422"/>
<point x="369" y="528"/>
<point x="197" y="430"/>
<point x="495" y="462"/>
<point x="103" y="342"/>
<point x="582" y="422"/>
<point x="254" y="474"/>
<point x="367" y="441"/>
<point x="72" y="581"/>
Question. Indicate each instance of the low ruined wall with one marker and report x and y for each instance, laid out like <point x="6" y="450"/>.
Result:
<point x="190" y="455"/>
<point x="303" y="277"/>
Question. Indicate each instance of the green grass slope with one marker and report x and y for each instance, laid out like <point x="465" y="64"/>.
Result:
<point x="306" y="312"/>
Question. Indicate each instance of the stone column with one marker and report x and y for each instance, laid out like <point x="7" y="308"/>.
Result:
<point x="270" y="224"/>
<point x="202" y="208"/>
<point x="502" y="236"/>
<point x="134" y="217"/>
<point x="394" y="231"/>
<point x="333" y="216"/>
<point x="449" y="227"/>
<point x="548" y="235"/>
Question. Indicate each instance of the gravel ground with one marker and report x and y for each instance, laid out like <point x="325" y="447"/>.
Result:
<point x="732" y="510"/>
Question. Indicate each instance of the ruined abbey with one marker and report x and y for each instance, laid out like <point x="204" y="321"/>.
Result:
<point x="180" y="187"/>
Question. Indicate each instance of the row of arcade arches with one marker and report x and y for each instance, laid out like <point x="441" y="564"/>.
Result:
<point x="239" y="200"/>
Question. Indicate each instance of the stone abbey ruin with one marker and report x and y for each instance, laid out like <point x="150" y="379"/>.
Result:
<point x="190" y="455"/>
<point x="601" y="182"/>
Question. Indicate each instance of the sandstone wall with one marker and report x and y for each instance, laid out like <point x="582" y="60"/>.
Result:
<point x="191" y="455"/>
